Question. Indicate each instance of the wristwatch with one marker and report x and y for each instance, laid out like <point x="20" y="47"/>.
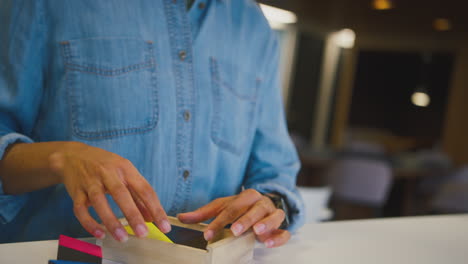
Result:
<point x="279" y="203"/>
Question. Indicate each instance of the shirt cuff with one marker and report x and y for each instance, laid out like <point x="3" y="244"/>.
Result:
<point x="291" y="197"/>
<point x="10" y="205"/>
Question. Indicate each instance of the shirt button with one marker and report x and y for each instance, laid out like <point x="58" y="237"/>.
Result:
<point x="187" y="115"/>
<point x="186" y="174"/>
<point x="201" y="5"/>
<point x="182" y="55"/>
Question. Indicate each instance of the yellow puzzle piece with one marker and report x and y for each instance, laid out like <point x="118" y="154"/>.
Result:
<point x="153" y="232"/>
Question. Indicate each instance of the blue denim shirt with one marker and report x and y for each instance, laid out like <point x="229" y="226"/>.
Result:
<point x="192" y="98"/>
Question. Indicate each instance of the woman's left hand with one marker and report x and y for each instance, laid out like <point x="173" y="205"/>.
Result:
<point x="245" y="210"/>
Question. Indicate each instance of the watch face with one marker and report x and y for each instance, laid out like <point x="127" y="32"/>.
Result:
<point x="276" y="199"/>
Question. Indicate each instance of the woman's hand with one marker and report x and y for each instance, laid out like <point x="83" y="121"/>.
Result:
<point x="245" y="210"/>
<point x="89" y="173"/>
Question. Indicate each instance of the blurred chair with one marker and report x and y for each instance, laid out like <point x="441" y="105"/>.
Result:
<point x="360" y="178"/>
<point x="365" y="148"/>
<point x="452" y="197"/>
<point x="426" y="159"/>
<point x="316" y="202"/>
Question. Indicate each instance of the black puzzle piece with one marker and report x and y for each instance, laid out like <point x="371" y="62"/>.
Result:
<point x="65" y="253"/>
<point x="187" y="237"/>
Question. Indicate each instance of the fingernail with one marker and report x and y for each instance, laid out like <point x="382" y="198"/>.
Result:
<point x="121" y="235"/>
<point x="141" y="230"/>
<point x="165" y="226"/>
<point x="269" y="243"/>
<point x="208" y="235"/>
<point x="237" y="229"/>
<point x="99" y="234"/>
<point x="259" y="228"/>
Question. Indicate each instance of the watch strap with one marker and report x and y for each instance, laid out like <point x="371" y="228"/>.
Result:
<point x="280" y="203"/>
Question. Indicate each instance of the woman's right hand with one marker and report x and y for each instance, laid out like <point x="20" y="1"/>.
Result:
<point x="89" y="173"/>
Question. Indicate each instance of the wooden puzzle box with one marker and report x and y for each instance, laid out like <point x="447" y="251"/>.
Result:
<point x="224" y="249"/>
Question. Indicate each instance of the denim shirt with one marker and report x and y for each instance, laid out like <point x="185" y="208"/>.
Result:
<point x="190" y="97"/>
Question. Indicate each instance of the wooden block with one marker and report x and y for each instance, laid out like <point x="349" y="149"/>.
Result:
<point x="224" y="249"/>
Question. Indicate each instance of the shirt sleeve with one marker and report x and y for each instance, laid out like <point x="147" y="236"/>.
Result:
<point x="273" y="162"/>
<point x="21" y="67"/>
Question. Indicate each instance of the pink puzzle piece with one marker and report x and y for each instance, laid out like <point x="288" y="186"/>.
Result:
<point x="79" y="245"/>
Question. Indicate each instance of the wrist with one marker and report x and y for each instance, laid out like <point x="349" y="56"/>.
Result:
<point x="58" y="157"/>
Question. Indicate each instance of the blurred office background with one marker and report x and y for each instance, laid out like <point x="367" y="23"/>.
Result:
<point x="376" y="96"/>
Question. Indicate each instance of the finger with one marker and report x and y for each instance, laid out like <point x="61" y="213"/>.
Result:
<point x="99" y="202"/>
<point x="148" y="196"/>
<point x="275" y="238"/>
<point x="142" y="207"/>
<point x="260" y="210"/>
<point x="124" y="200"/>
<point x="80" y="209"/>
<point x="205" y="212"/>
<point x="237" y="207"/>
<point x="271" y="222"/>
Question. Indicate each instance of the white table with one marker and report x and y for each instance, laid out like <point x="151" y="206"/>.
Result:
<point x="412" y="240"/>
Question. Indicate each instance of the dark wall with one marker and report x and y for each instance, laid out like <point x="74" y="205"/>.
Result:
<point x="383" y="87"/>
<point x="305" y="84"/>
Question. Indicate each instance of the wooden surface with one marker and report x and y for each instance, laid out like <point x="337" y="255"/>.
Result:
<point x="411" y="240"/>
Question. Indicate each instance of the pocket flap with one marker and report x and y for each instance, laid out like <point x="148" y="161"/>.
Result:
<point x="239" y="82"/>
<point x="108" y="56"/>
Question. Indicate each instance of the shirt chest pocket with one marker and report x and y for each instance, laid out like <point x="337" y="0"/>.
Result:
<point x="111" y="86"/>
<point x="234" y="102"/>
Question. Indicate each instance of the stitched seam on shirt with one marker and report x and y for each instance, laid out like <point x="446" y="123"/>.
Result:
<point x="216" y="122"/>
<point x="170" y="25"/>
<point x="188" y="182"/>
<point x="217" y="78"/>
<point x="217" y="102"/>
<point x="75" y="110"/>
<point x="180" y="162"/>
<point x="107" y="38"/>
<point x="104" y="72"/>
<point x="92" y="68"/>
<point x="44" y="51"/>
<point x="68" y="91"/>
<point x="154" y="86"/>
<point x="235" y="93"/>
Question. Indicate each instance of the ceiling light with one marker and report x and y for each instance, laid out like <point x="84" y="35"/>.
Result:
<point x="421" y="99"/>
<point x="277" y="15"/>
<point x="382" y="4"/>
<point x="344" y="38"/>
<point x="442" y="24"/>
